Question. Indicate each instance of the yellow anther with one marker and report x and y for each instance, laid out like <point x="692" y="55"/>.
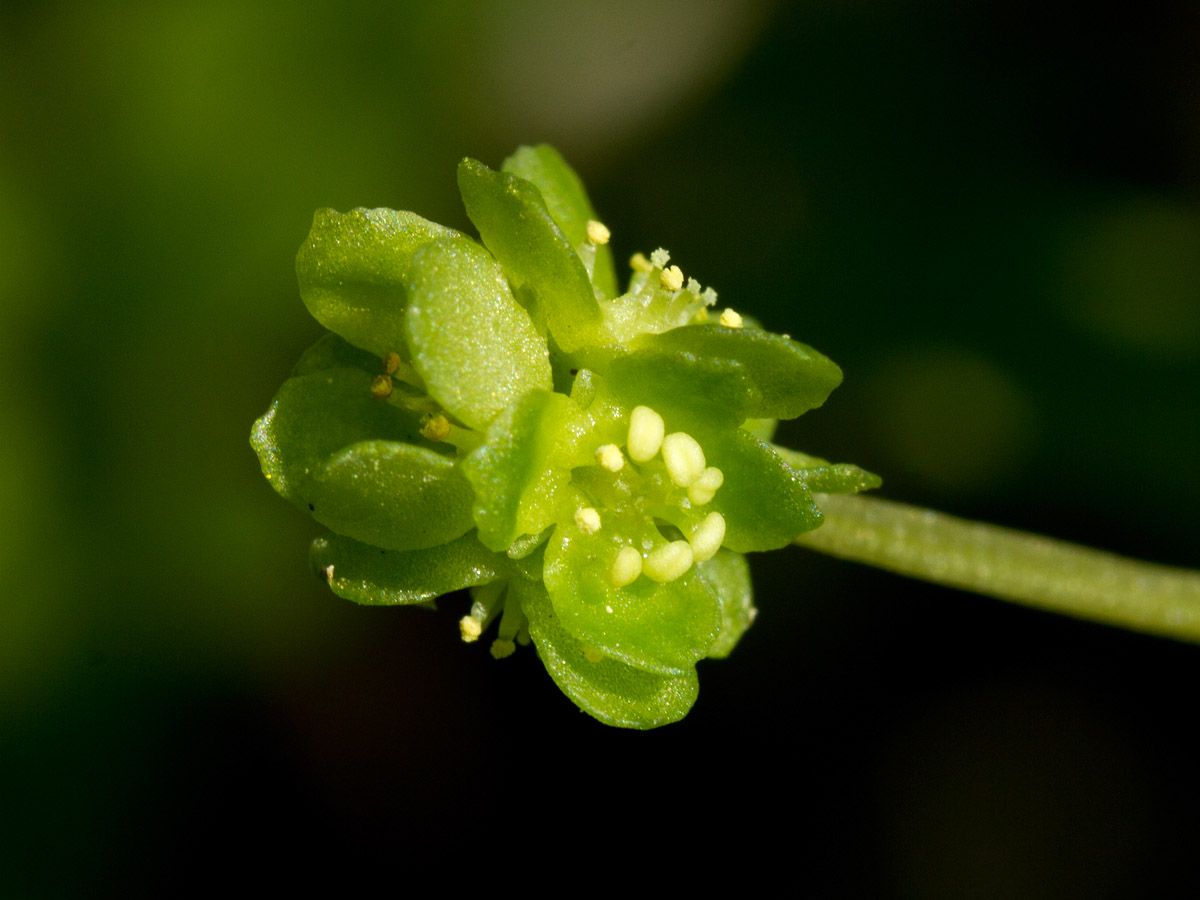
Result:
<point x="597" y="232"/>
<point x="672" y="278"/>
<point x="668" y="562"/>
<point x="471" y="628"/>
<point x="704" y="488"/>
<point x="435" y="428"/>
<point x="391" y="363"/>
<point x="502" y="648"/>
<point x="731" y="319"/>
<point x="592" y="655"/>
<point x="588" y="520"/>
<point x="639" y="263"/>
<point x="381" y="387"/>
<point x="610" y="457"/>
<point x="646" y="431"/>
<point x="626" y="567"/>
<point x="683" y="457"/>
<point x="708" y="537"/>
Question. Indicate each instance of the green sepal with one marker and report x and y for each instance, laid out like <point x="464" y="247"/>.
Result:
<point x="826" y="477"/>
<point x="607" y="690"/>
<point x="377" y="577"/>
<point x="391" y="495"/>
<point x="728" y="575"/>
<point x="766" y="503"/>
<point x="537" y="257"/>
<point x="475" y="347"/>
<point x="567" y="201"/>
<point x="518" y="472"/>
<point x="315" y="415"/>
<point x="353" y="271"/>
<point x="334" y="352"/>
<point x="662" y="628"/>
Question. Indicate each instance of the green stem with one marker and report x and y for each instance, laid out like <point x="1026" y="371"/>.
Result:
<point x="1011" y="565"/>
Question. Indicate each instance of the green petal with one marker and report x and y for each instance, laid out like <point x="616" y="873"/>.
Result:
<point x="608" y="690"/>
<point x="377" y="577"/>
<point x="313" y="416"/>
<point x="663" y="628"/>
<point x="750" y="372"/>
<point x="391" y="495"/>
<point x="518" y="473"/>
<point x="728" y="575"/>
<point x="471" y="342"/>
<point x="826" y="477"/>
<point x="766" y="504"/>
<point x="537" y="257"/>
<point x="353" y="272"/>
<point x="567" y="200"/>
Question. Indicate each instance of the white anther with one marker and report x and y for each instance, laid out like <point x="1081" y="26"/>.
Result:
<point x="660" y="258"/>
<point x="709" y="296"/>
<point x="672" y="278"/>
<point x="707" y="539"/>
<point x="646" y="431"/>
<point x="668" y="562"/>
<point x="626" y="567"/>
<point x="502" y="648"/>
<point x="588" y="520"/>
<point x="610" y="457"/>
<point x="731" y="319"/>
<point x="693" y="286"/>
<point x="471" y="628"/>
<point x="704" y="488"/>
<point x="683" y="457"/>
<point x="597" y="232"/>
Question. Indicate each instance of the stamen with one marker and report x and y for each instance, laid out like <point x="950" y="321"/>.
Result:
<point x="668" y="562"/>
<point x="683" y="457"/>
<point x="381" y="387"/>
<point x="588" y="520"/>
<point x="709" y="296"/>
<point x="592" y="655"/>
<point x="646" y="431"/>
<point x="471" y="628"/>
<point x="502" y="648"/>
<point x="435" y="428"/>
<point x="659" y="258"/>
<point x="597" y="232"/>
<point x="708" y="537"/>
<point x="704" y="488"/>
<point x="639" y="263"/>
<point x="731" y="319"/>
<point x="610" y="457"/>
<point x="693" y="286"/>
<point x="672" y="278"/>
<point x="391" y="363"/>
<point x="626" y="567"/>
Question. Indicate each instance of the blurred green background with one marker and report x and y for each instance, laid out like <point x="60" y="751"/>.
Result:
<point x="986" y="213"/>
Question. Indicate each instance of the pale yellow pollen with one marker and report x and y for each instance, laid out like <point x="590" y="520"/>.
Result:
<point x="708" y="537"/>
<point x="672" y="278"/>
<point x="381" y="387"/>
<point x="659" y="258"/>
<point x="626" y="567"/>
<point x="731" y="319"/>
<point x="683" y="457"/>
<point x="502" y="648"/>
<point x="646" y="430"/>
<point x="471" y="628"/>
<point x="588" y="520"/>
<point x="592" y="655"/>
<point x="435" y="428"/>
<point x="610" y="457"/>
<point x="639" y="263"/>
<point x="597" y="232"/>
<point x="668" y="562"/>
<point x="704" y="488"/>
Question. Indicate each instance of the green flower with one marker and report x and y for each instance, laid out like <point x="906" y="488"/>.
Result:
<point x="495" y="416"/>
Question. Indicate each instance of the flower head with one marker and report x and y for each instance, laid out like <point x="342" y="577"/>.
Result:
<point x="496" y="415"/>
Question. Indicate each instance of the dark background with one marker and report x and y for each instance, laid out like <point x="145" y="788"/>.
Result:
<point x="986" y="213"/>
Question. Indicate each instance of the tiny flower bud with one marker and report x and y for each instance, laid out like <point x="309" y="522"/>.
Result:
<point x="597" y="233"/>
<point x="684" y="458"/>
<point x="668" y="562"/>
<point x="646" y="431"/>
<point x="588" y="520"/>
<point x="626" y="567"/>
